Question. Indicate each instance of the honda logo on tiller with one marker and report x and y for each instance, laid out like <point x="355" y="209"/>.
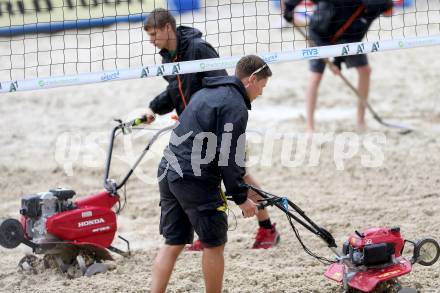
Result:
<point x="91" y="222"/>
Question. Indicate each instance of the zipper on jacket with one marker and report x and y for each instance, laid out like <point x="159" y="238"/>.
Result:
<point x="179" y="82"/>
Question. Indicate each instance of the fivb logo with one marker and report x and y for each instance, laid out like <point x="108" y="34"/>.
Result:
<point x="91" y="222"/>
<point x="309" y="53"/>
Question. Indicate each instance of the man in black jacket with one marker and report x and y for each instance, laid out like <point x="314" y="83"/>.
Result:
<point x="185" y="44"/>
<point x="207" y="146"/>
<point x="338" y="22"/>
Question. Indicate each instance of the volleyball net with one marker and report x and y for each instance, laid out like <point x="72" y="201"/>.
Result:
<point x="52" y="43"/>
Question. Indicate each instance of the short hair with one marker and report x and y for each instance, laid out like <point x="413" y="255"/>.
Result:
<point x="249" y="64"/>
<point x="158" y="18"/>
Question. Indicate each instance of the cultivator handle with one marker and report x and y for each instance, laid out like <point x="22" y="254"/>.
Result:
<point x="127" y="126"/>
<point x="283" y="203"/>
<point x="137" y="121"/>
<point x="111" y="185"/>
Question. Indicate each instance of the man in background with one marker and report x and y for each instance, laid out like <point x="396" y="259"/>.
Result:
<point x="338" y="22"/>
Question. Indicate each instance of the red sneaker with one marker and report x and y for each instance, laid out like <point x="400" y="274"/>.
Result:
<point x="195" y="246"/>
<point x="266" y="238"/>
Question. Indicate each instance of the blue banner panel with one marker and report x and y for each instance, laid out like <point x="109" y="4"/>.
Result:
<point x="46" y="16"/>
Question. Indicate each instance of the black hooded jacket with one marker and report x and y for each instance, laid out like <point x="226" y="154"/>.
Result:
<point x="331" y="15"/>
<point x="190" y="46"/>
<point x="214" y="126"/>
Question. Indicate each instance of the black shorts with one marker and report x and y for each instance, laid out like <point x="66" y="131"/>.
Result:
<point x="318" y="65"/>
<point x="184" y="209"/>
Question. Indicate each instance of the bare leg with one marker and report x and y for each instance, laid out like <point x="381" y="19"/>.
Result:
<point x="311" y="98"/>
<point x="163" y="266"/>
<point x="363" y="89"/>
<point x="213" y="264"/>
<point x="262" y="215"/>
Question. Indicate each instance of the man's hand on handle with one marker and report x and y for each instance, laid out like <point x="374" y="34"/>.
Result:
<point x="151" y="116"/>
<point x="249" y="208"/>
